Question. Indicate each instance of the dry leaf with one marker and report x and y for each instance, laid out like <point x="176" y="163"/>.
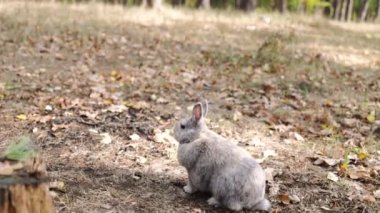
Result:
<point x="237" y="116"/>
<point x="294" y="198"/>
<point x="368" y="198"/>
<point x="359" y="173"/>
<point x="58" y="126"/>
<point x="106" y="138"/>
<point x="22" y="117"/>
<point x="332" y="176"/>
<point x="377" y="194"/>
<point x="6" y="169"/>
<point x="321" y="161"/>
<point x="141" y="159"/>
<point x="284" y="198"/>
<point x="57" y="185"/>
<point x="134" y="137"/>
<point x="116" y="108"/>
<point x="48" y="108"/>
<point x="371" y="117"/>
<point x="269" y="174"/>
<point x="296" y="136"/>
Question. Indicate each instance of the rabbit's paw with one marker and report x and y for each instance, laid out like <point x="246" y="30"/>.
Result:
<point x="235" y="206"/>
<point x="188" y="189"/>
<point x="213" y="202"/>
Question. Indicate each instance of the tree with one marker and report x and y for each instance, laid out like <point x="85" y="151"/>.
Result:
<point x="156" y="4"/>
<point x="337" y="9"/>
<point x="281" y="5"/>
<point x="378" y="10"/>
<point x="349" y="10"/>
<point x="363" y="10"/>
<point x="178" y="2"/>
<point x="205" y="4"/>
<point x="246" y="5"/>
<point x="343" y="10"/>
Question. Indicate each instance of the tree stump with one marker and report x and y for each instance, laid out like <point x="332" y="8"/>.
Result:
<point x="24" y="187"/>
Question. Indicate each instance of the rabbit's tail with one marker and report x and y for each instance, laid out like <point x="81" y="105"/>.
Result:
<point x="264" y="205"/>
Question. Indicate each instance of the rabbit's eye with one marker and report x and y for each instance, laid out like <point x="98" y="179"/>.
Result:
<point x="182" y="126"/>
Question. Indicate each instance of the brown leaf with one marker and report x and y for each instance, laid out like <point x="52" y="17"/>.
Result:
<point x="6" y="169"/>
<point x="368" y="198"/>
<point x="359" y="173"/>
<point x="323" y="161"/>
<point x="284" y="198"/>
<point x="57" y="185"/>
<point x="59" y="126"/>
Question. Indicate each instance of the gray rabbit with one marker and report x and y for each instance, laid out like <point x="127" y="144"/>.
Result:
<point x="214" y="164"/>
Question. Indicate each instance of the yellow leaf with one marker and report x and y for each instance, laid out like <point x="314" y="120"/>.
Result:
<point x="114" y="73"/>
<point x="22" y="117"/>
<point x="115" y="76"/>
<point x="371" y="117"/>
<point x="362" y="155"/>
<point x="108" y="101"/>
<point x="344" y="166"/>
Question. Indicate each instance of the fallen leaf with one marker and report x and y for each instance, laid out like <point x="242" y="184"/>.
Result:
<point x="106" y="138"/>
<point x="136" y="105"/>
<point x="134" y="137"/>
<point x="322" y="161"/>
<point x="284" y="198"/>
<point x="141" y="159"/>
<point x="325" y="208"/>
<point x="59" y="126"/>
<point x="48" y="108"/>
<point x="6" y="169"/>
<point x="332" y="176"/>
<point x="269" y="174"/>
<point x="368" y="198"/>
<point x="296" y="136"/>
<point x="57" y="185"/>
<point x="294" y="198"/>
<point x="377" y="194"/>
<point x="237" y="116"/>
<point x="371" y="117"/>
<point x="359" y="173"/>
<point x="22" y="117"/>
<point x="116" y="108"/>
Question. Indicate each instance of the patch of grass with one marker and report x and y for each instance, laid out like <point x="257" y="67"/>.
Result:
<point x="19" y="149"/>
<point x="271" y="55"/>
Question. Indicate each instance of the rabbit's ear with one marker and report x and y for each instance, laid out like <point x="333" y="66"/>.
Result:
<point x="204" y="107"/>
<point x="197" y="112"/>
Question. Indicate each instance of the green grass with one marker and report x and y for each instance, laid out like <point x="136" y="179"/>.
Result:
<point x="19" y="149"/>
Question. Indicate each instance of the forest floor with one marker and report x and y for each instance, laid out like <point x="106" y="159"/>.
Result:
<point x="99" y="88"/>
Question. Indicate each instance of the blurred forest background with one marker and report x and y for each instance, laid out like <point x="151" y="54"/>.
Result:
<point x="343" y="10"/>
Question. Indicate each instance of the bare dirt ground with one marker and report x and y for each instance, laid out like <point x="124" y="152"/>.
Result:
<point x="100" y="87"/>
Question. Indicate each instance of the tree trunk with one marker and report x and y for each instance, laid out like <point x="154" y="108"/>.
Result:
<point x="176" y="3"/>
<point x="246" y="5"/>
<point x="24" y="188"/>
<point x="343" y="10"/>
<point x="281" y="5"/>
<point x="18" y="195"/>
<point x="205" y="4"/>
<point x="349" y="10"/>
<point x="378" y="11"/>
<point x="364" y="10"/>
<point x="337" y="9"/>
<point x="155" y="4"/>
<point x="327" y="11"/>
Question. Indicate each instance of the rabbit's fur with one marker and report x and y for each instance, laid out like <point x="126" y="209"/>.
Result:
<point x="216" y="165"/>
